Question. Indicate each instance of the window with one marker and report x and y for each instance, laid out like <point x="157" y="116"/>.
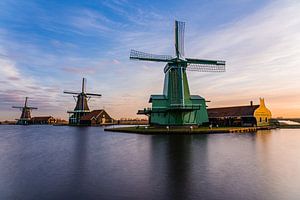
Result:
<point x="266" y="119"/>
<point x="260" y="119"/>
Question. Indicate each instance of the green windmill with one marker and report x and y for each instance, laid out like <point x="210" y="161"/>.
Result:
<point x="177" y="107"/>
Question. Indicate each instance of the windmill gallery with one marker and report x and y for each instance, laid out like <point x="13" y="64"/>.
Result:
<point x="176" y="106"/>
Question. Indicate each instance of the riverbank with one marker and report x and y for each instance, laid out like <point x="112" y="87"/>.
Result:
<point x="289" y="126"/>
<point x="201" y="130"/>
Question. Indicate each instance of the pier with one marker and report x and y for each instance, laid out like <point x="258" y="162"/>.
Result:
<point x="200" y="130"/>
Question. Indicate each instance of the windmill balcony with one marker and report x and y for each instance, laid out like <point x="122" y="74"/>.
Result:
<point x="145" y="111"/>
<point x="184" y="107"/>
<point x="148" y="111"/>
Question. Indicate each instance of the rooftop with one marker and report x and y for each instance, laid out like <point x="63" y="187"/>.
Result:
<point x="235" y="111"/>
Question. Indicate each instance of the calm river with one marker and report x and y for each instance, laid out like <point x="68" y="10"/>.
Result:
<point x="51" y="162"/>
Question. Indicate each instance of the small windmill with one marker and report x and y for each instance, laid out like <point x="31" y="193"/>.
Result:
<point x="26" y="113"/>
<point x="176" y="106"/>
<point x="81" y="107"/>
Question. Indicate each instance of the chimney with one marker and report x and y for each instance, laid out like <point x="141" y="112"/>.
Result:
<point x="251" y="103"/>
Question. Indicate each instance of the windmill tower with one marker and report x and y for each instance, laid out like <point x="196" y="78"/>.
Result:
<point x="176" y="106"/>
<point x="81" y="107"/>
<point x="26" y="113"/>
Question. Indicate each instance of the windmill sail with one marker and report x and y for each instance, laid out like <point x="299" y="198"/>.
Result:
<point x="206" y="68"/>
<point x="70" y="92"/>
<point x="138" y="55"/>
<point x="203" y="61"/>
<point x="32" y="108"/>
<point x="202" y="65"/>
<point x="93" y="94"/>
<point x="83" y="85"/>
<point x="17" y="107"/>
<point x="179" y="39"/>
<point x="26" y="99"/>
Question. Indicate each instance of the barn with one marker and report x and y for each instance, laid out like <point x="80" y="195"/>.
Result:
<point x="248" y="115"/>
<point x="42" y="120"/>
<point x="96" y="117"/>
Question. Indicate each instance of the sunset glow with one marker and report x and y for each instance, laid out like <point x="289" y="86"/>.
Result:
<point x="46" y="48"/>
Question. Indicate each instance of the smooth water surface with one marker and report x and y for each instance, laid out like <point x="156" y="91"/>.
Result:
<point x="52" y="162"/>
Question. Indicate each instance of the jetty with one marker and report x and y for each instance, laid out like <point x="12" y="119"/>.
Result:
<point x="148" y="130"/>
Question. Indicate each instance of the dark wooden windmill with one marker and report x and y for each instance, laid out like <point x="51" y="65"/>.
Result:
<point x="26" y="113"/>
<point x="81" y="107"/>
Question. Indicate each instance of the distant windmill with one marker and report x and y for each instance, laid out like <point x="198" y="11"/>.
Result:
<point x="176" y="106"/>
<point x="26" y="113"/>
<point x="81" y="107"/>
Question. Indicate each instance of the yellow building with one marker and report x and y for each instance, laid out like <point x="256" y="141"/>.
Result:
<point x="247" y="115"/>
<point x="262" y="114"/>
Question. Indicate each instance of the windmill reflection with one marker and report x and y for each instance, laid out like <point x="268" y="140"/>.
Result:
<point x="178" y="158"/>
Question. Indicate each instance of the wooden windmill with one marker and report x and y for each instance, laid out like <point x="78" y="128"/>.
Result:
<point x="81" y="107"/>
<point x="176" y="106"/>
<point x="26" y="113"/>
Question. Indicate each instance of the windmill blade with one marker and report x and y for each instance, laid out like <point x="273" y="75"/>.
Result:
<point x="203" y="61"/>
<point x="206" y="68"/>
<point x="17" y="107"/>
<point x="33" y="108"/>
<point x="179" y="39"/>
<point x="83" y="85"/>
<point x="138" y="55"/>
<point x="69" y="92"/>
<point x="202" y="65"/>
<point x="93" y="94"/>
<point x="26" y="99"/>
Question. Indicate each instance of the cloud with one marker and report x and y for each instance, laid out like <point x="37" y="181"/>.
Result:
<point x="89" y="20"/>
<point x="261" y="49"/>
<point x="261" y="53"/>
<point x="17" y="85"/>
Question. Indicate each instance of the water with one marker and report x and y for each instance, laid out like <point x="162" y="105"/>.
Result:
<point x="48" y="162"/>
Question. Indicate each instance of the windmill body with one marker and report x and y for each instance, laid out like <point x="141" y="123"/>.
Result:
<point x="176" y="106"/>
<point x="81" y="107"/>
<point x="26" y="113"/>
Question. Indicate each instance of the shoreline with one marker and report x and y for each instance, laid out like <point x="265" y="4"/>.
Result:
<point x="187" y="131"/>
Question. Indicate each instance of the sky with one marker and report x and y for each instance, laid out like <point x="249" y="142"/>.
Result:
<point x="47" y="47"/>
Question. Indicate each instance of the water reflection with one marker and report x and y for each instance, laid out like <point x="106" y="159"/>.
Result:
<point x="278" y="157"/>
<point x="87" y="163"/>
<point x="178" y="166"/>
<point x="177" y="155"/>
<point x="79" y="151"/>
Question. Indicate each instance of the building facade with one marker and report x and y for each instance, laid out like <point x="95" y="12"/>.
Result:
<point x="96" y="117"/>
<point x="42" y="120"/>
<point x="262" y="114"/>
<point x="164" y="112"/>
<point x="250" y="115"/>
